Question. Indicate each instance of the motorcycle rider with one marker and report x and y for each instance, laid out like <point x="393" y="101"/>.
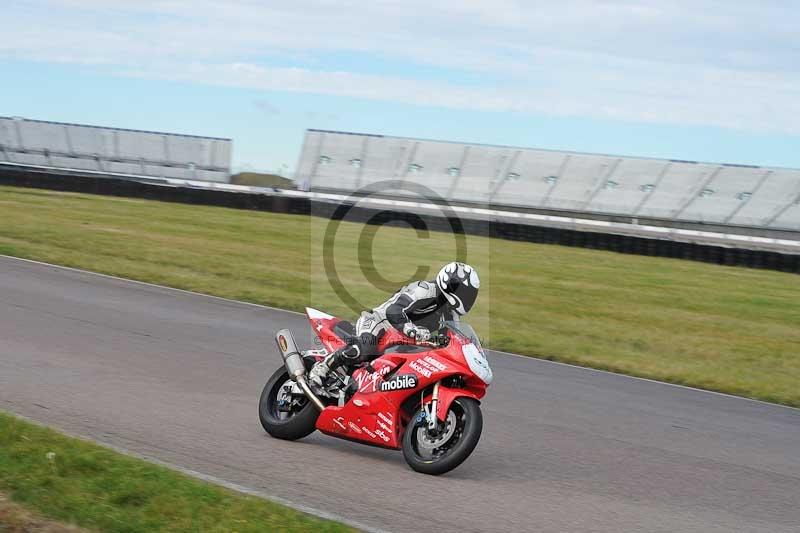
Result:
<point x="416" y="309"/>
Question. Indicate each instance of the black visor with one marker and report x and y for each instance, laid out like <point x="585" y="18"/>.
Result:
<point x="466" y="294"/>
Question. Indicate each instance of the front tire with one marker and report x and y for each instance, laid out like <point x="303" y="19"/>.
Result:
<point x="292" y="425"/>
<point x="450" y="446"/>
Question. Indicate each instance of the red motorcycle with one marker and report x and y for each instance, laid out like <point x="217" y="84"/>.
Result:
<point x="421" y="397"/>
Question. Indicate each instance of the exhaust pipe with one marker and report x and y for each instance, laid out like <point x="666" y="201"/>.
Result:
<point x="295" y="365"/>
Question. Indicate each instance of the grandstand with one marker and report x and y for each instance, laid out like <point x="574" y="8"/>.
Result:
<point x="93" y="149"/>
<point x="618" y="188"/>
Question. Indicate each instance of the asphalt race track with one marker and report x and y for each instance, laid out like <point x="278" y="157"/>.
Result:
<point x="176" y="376"/>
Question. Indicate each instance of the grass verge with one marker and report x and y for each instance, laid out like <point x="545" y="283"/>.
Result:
<point x="259" y="179"/>
<point x="96" y="488"/>
<point x="727" y="329"/>
<point x="15" y="518"/>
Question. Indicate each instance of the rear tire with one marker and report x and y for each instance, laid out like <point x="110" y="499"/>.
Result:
<point x="298" y="424"/>
<point x="466" y="421"/>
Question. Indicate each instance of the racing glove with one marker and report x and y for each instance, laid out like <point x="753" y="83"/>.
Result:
<point x="417" y="333"/>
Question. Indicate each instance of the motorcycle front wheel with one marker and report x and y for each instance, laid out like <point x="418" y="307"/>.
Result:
<point x="439" y="451"/>
<point x="282" y="415"/>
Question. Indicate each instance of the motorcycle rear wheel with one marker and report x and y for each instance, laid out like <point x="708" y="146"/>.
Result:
<point x="297" y="424"/>
<point x="442" y="451"/>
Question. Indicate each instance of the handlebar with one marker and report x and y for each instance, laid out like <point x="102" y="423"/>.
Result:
<point x="433" y="344"/>
<point x="427" y="343"/>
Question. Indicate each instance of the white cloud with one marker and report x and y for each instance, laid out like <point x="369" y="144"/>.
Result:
<point x="690" y="62"/>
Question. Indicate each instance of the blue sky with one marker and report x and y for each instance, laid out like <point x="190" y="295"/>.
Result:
<point x="703" y="80"/>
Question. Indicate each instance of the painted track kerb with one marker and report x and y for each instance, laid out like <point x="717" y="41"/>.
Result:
<point x="508" y="354"/>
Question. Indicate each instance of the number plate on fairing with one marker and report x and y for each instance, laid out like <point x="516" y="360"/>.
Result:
<point x="477" y="362"/>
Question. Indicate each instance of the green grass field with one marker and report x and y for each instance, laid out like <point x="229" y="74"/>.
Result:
<point x="728" y="329"/>
<point x="85" y="484"/>
<point x="259" y="179"/>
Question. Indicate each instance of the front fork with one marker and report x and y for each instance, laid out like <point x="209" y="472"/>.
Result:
<point x="430" y="410"/>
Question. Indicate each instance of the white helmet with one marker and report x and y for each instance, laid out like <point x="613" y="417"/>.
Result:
<point x="459" y="284"/>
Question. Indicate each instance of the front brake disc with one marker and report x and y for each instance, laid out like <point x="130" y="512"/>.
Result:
<point x="430" y="442"/>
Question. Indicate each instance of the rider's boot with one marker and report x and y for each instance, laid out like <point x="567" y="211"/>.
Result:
<point x="321" y="369"/>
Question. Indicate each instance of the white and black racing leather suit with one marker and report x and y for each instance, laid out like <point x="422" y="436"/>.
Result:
<point x="420" y="304"/>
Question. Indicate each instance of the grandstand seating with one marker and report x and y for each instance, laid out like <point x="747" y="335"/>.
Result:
<point x="113" y="150"/>
<point x="636" y="188"/>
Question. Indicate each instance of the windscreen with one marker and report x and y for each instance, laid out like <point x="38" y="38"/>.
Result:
<point x="465" y="330"/>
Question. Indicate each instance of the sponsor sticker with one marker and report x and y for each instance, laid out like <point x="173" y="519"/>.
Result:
<point x="420" y="369"/>
<point x="438" y="365"/>
<point x="403" y="381"/>
<point x="368" y="381"/>
<point x="282" y="343"/>
<point x="386" y="418"/>
<point x="427" y="366"/>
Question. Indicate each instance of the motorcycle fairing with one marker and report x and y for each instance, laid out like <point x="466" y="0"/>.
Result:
<point x="373" y="415"/>
<point x="473" y="388"/>
<point x="323" y="325"/>
<point x="446" y="397"/>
